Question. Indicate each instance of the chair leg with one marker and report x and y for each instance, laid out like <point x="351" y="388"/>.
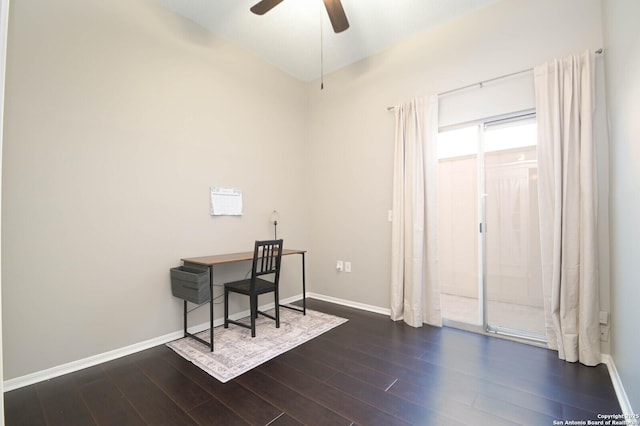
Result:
<point x="226" y="308"/>
<point x="256" y="304"/>
<point x="254" y="313"/>
<point x="277" y="307"/>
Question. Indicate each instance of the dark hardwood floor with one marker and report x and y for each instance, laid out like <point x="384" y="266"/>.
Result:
<point x="369" y="371"/>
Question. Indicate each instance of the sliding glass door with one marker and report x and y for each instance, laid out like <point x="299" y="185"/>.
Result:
<point x="488" y="227"/>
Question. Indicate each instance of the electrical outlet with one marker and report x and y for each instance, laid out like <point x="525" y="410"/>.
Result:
<point x="339" y="266"/>
<point x="604" y="333"/>
<point x="347" y="266"/>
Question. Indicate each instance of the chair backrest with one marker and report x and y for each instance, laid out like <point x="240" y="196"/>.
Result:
<point x="267" y="256"/>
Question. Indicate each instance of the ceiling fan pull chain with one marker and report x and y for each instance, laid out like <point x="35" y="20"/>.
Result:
<point x="321" y="54"/>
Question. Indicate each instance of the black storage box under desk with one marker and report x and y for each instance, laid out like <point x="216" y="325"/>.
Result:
<point x="191" y="283"/>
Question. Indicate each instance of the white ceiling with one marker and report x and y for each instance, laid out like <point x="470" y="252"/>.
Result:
<point x="288" y="36"/>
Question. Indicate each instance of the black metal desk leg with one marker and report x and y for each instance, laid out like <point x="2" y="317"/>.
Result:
<point x="185" y="319"/>
<point x="208" y="343"/>
<point x="211" y="305"/>
<point x="304" y="290"/>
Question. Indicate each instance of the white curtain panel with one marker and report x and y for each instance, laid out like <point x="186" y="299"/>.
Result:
<point x="567" y="194"/>
<point x="415" y="290"/>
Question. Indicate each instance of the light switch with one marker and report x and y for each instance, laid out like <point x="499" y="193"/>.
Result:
<point x="347" y="266"/>
<point x="339" y="266"/>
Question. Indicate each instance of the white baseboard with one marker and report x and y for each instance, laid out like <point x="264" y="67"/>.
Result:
<point x="59" y="370"/>
<point x="362" y="306"/>
<point x="623" y="399"/>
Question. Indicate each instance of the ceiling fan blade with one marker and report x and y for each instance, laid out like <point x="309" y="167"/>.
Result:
<point x="264" y="6"/>
<point x="336" y="15"/>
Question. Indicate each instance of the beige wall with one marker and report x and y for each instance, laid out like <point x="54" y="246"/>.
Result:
<point x="119" y="118"/>
<point x="4" y="19"/>
<point x="622" y="43"/>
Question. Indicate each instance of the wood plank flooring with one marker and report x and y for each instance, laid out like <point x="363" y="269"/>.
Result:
<point x="369" y="371"/>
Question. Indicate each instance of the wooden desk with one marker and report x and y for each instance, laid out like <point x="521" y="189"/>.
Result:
<point x="221" y="259"/>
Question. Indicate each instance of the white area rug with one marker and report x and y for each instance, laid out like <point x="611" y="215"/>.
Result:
<point x="236" y="352"/>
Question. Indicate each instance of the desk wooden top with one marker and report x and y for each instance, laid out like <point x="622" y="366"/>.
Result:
<point x="220" y="259"/>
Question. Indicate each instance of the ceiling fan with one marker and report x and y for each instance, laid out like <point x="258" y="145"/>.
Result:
<point x="334" y="9"/>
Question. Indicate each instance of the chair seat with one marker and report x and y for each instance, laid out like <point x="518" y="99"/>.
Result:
<point x="244" y="286"/>
<point x="266" y="261"/>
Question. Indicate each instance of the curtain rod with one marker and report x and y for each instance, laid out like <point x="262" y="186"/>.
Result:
<point x="481" y="83"/>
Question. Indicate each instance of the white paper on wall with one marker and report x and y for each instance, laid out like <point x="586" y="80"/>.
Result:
<point x="226" y="202"/>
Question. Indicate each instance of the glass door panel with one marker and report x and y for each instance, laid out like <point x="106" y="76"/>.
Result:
<point x="512" y="249"/>
<point x="458" y="225"/>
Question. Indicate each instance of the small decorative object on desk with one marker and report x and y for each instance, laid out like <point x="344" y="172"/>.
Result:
<point x="275" y="216"/>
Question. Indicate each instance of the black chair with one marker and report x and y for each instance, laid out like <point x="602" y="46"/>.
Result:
<point x="266" y="261"/>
